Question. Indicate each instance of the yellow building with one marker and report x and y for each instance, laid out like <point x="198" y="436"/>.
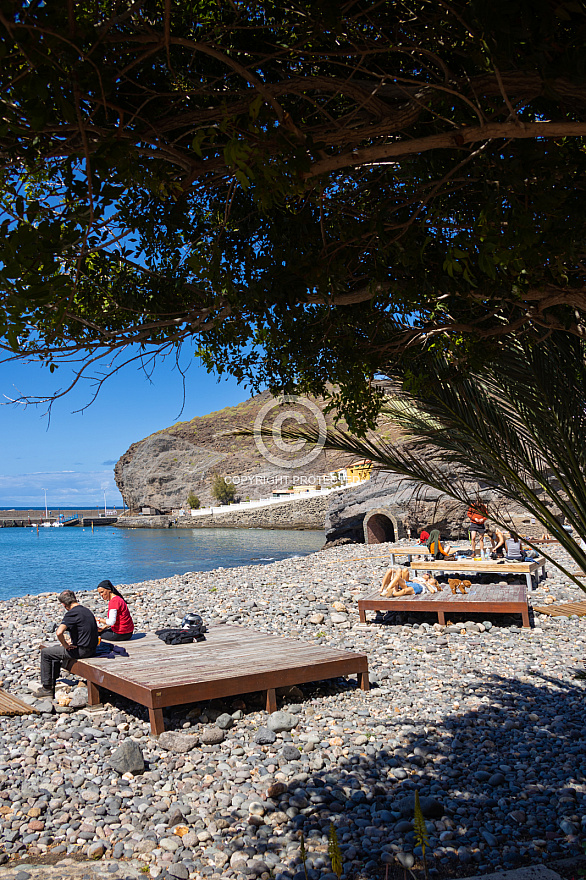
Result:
<point x="358" y="472"/>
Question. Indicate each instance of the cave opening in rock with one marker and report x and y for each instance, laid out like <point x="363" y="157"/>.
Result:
<point x="378" y="529"/>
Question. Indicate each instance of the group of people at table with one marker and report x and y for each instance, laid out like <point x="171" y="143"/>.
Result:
<point x="85" y="633"/>
<point x="396" y="582"/>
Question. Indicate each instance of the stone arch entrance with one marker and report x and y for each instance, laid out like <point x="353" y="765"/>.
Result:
<point x="380" y="526"/>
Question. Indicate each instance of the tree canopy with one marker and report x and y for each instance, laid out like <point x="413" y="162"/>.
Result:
<point x="306" y="189"/>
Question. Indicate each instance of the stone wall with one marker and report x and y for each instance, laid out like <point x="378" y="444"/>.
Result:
<point x="304" y="513"/>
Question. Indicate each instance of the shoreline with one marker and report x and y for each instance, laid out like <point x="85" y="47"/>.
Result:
<point x="486" y="723"/>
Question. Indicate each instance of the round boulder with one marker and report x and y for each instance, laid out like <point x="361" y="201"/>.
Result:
<point x="212" y="736"/>
<point x="177" y="741"/>
<point x="281" y="721"/>
<point x="224" y="721"/>
<point x="127" y="758"/>
<point x="264" y="736"/>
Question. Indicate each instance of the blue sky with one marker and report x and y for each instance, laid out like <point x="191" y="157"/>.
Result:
<point x="73" y="455"/>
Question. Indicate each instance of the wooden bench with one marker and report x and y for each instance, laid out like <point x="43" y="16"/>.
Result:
<point x="483" y="598"/>
<point x="232" y="661"/>
<point x="530" y="568"/>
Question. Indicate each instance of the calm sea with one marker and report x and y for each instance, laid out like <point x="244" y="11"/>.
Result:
<point x="77" y="558"/>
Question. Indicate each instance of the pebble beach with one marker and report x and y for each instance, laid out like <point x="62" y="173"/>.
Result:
<point x="484" y="719"/>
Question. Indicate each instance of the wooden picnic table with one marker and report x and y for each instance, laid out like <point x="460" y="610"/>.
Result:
<point x="409" y="550"/>
<point x="233" y="660"/>
<point x="484" y="598"/>
<point x="530" y="568"/>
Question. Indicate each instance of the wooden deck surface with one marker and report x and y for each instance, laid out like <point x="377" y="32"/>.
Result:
<point x="482" y="565"/>
<point x="10" y="705"/>
<point x="484" y="598"/>
<point x="565" y="610"/>
<point x="530" y="569"/>
<point x="408" y="550"/>
<point x="233" y="660"/>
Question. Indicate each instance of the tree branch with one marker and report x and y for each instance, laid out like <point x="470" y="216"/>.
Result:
<point x="450" y="140"/>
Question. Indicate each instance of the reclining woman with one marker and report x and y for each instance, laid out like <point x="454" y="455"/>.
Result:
<point x="118" y="626"/>
<point x="396" y="583"/>
<point x="434" y="545"/>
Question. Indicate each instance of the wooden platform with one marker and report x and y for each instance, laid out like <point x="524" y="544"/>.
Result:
<point x="484" y="598"/>
<point x="409" y="550"/>
<point x="10" y="705"/>
<point x="233" y="660"/>
<point x="565" y="610"/>
<point x="533" y="569"/>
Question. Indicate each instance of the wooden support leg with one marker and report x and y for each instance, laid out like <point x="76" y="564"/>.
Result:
<point x="363" y="681"/>
<point x="361" y="614"/>
<point x="525" y="615"/>
<point x="93" y="694"/>
<point x="441" y="618"/>
<point x="157" y="723"/>
<point x="271" y="700"/>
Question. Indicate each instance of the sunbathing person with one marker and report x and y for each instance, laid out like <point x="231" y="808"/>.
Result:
<point x="431" y="584"/>
<point x="434" y="545"/>
<point x="396" y="583"/>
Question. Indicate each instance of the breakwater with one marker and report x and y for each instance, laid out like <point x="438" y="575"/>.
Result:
<point x="305" y="513"/>
<point x="22" y="518"/>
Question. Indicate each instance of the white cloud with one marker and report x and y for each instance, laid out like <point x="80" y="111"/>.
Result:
<point x="64" y="488"/>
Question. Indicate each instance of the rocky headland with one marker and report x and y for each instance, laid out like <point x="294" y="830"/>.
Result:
<point x="484" y="719"/>
<point x="161" y="470"/>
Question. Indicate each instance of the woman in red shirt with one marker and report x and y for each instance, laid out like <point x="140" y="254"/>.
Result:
<point x="118" y="626"/>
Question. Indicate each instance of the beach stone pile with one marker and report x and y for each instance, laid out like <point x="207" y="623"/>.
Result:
<point x="484" y="719"/>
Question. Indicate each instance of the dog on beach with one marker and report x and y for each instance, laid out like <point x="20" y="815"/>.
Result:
<point x="456" y="584"/>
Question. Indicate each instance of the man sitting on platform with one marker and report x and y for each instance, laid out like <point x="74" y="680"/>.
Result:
<point x="82" y="627"/>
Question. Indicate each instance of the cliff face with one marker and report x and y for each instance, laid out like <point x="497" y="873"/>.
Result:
<point x="161" y="470"/>
<point x="411" y="509"/>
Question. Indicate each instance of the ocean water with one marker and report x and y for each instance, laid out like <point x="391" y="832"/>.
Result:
<point x="77" y="558"/>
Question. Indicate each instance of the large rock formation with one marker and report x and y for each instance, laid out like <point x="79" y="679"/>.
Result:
<point x="160" y="471"/>
<point x="387" y="508"/>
